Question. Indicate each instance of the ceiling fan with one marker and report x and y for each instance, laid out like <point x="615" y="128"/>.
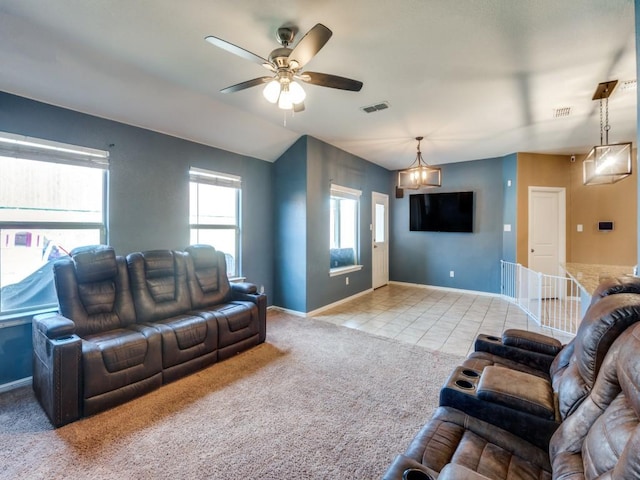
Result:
<point x="286" y="64"/>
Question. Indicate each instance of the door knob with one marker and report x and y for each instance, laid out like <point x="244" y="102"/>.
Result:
<point x="532" y="250"/>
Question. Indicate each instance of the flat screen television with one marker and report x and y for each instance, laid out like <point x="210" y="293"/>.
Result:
<point x="441" y="212"/>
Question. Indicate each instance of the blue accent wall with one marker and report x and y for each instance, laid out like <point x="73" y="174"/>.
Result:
<point x="148" y="194"/>
<point x="428" y="257"/>
<point x="510" y="206"/>
<point x="290" y="244"/>
<point x="326" y="165"/>
<point x="302" y="180"/>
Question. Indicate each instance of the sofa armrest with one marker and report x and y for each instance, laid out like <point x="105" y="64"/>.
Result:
<point x="248" y="292"/>
<point x="518" y="390"/>
<point x="534" y="342"/>
<point x="54" y="325"/>
<point x="402" y="463"/>
<point x="244" y="287"/>
<point x="57" y="368"/>
<point x="495" y="346"/>
<point x="454" y="471"/>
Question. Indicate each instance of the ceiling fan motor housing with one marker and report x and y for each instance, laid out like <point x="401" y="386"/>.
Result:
<point x="280" y="57"/>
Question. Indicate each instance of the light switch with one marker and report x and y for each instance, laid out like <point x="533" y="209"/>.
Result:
<point x="507" y="227"/>
<point x="579" y="227"/>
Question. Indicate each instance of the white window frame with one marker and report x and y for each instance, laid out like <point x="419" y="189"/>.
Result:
<point x="220" y="179"/>
<point x="348" y="193"/>
<point x="30" y="148"/>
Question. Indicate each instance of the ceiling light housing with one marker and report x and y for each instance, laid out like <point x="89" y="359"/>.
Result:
<point x="606" y="163"/>
<point x="419" y="174"/>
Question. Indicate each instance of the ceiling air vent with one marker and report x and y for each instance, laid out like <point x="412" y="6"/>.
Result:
<point x="375" y="108"/>
<point x="561" y="112"/>
<point x="627" y="85"/>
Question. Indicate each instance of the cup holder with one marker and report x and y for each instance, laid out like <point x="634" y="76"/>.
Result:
<point x="464" y="384"/>
<point x="415" y="474"/>
<point x="493" y="338"/>
<point x="470" y="373"/>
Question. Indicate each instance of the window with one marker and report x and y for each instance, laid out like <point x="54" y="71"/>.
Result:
<point x="343" y="229"/>
<point x="52" y="199"/>
<point x="214" y="213"/>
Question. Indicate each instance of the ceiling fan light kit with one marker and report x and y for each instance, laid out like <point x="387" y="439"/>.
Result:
<point x="606" y="163"/>
<point x="419" y="174"/>
<point x="286" y="64"/>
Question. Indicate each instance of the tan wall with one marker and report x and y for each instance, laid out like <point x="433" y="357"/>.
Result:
<point x="589" y="204"/>
<point x="540" y="171"/>
<point x="586" y="205"/>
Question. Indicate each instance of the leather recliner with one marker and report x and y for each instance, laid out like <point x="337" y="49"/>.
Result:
<point x="237" y="308"/>
<point x="532" y="406"/>
<point x="533" y="352"/>
<point x="601" y="439"/>
<point x="161" y="296"/>
<point x="108" y="357"/>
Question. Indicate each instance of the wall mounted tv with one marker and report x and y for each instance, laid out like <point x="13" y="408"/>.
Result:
<point x="441" y="212"/>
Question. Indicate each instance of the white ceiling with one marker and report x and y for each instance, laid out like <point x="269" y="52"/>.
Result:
<point x="477" y="79"/>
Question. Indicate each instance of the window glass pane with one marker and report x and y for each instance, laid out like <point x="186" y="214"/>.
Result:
<point x="26" y="259"/>
<point x="212" y="205"/>
<point x="32" y="191"/>
<point x="223" y="240"/>
<point x="379" y="233"/>
<point x="343" y="218"/>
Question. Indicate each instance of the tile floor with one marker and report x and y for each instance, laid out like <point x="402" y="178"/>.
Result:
<point x="442" y="320"/>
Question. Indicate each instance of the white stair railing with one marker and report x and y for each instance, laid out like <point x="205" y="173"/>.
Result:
<point x="552" y="301"/>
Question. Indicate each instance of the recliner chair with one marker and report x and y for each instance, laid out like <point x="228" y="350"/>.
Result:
<point x="102" y="357"/>
<point x="534" y="405"/>
<point x="601" y="439"/>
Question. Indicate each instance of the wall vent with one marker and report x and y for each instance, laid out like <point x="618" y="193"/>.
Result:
<point x="561" y="112"/>
<point x="375" y="108"/>
<point x="628" y="85"/>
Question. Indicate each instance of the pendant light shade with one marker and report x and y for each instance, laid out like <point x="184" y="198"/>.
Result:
<point x="419" y="174"/>
<point x="606" y="163"/>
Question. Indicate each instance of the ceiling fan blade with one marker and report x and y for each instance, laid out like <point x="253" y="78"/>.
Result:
<point x="298" y="107"/>
<point x="310" y="44"/>
<point x="248" y="84"/>
<point x="332" y="81"/>
<point x="241" y="52"/>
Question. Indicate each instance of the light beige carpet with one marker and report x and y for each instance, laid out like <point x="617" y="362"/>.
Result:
<point x="316" y="401"/>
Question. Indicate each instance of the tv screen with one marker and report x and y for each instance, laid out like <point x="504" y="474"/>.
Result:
<point x="441" y="212"/>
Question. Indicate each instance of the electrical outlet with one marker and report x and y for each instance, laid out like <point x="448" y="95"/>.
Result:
<point x="452" y="273"/>
<point x="346" y="280"/>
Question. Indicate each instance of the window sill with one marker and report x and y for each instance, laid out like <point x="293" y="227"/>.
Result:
<point x="342" y="270"/>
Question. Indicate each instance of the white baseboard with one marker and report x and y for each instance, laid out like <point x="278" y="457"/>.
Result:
<point x="322" y="309"/>
<point x="23" y="382"/>
<point x="448" y="289"/>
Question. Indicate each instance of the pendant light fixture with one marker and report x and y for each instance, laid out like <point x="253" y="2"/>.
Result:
<point x="419" y="174"/>
<point x="606" y="163"/>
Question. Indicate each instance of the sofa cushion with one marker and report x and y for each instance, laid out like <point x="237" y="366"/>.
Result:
<point x="158" y="284"/>
<point x="207" y="276"/>
<point x="454" y="437"/>
<point x="118" y="358"/>
<point x="95" y="294"/>
<point x="186" y="337"/>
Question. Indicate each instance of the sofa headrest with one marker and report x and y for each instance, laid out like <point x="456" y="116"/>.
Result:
<point x="94" y="263"/>
<point x="159" y="263"/>
<point x="614" y="285"/>
<point x="204" y="256"/>
<point x="602" y="324"/>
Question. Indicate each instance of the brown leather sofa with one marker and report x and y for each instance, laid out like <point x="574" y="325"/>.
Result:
<point x="125" y="327"/>
<point x="601" y="439"/>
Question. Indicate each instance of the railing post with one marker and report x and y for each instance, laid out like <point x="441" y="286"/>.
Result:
<point x="540" y="280"/>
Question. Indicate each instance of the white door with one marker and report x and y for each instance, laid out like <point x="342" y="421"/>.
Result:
<point x="380" y="239"/>
<point x="547" y="233"/>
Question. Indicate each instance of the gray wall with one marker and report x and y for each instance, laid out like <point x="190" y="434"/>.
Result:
<point x="290" y="245"/>
<point x="302" y="181"/>
<point x="148" y="193"/>
<point x="428" y="257"/>
<point x="510" y="206"/>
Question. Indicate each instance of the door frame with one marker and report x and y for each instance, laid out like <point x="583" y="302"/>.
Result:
<point x="561" y="193"/>
<point x="375" y="196"/>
